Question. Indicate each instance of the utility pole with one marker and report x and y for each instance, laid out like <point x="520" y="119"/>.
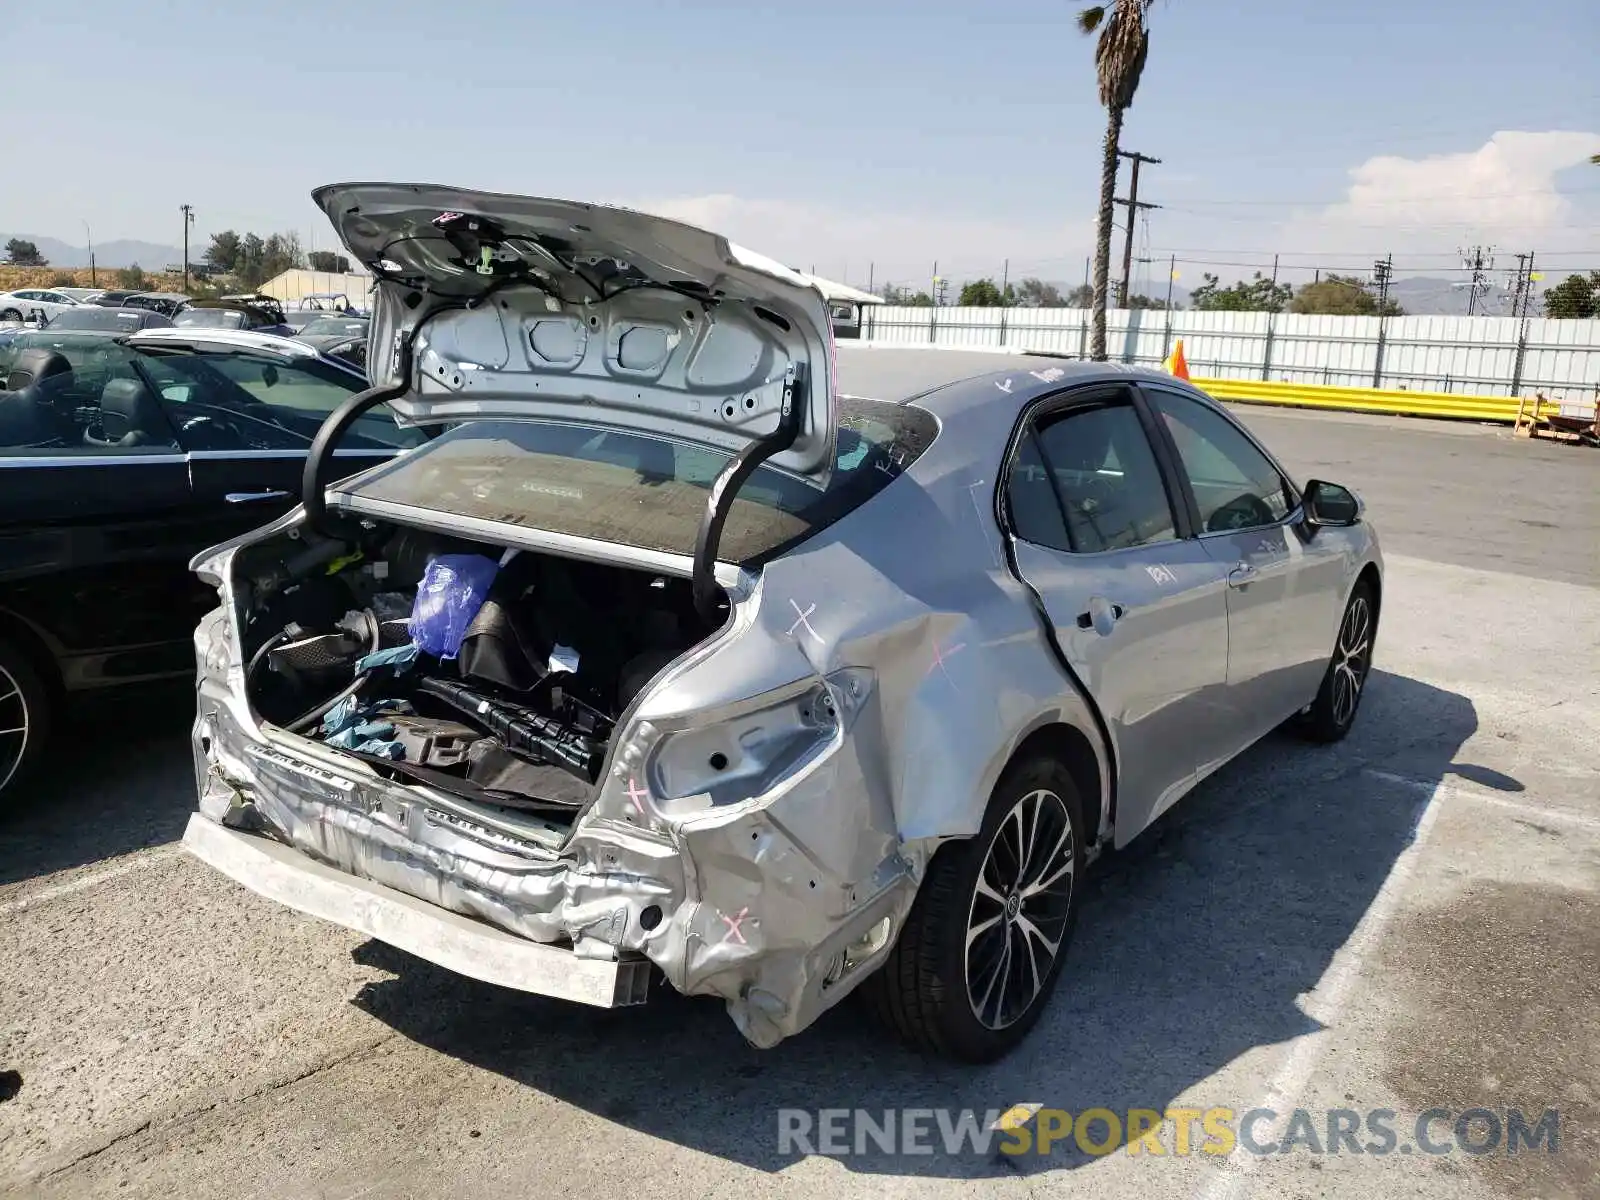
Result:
<point x="93" y="282"/>
<point x="1134" y="208"/>
<point x="1274" y="272"/>
<point x="1518" y="277"/>
<point x="1480" y="261"/>
<point x="1172" y="273"/>
<point x="188" y="220"/>
<point x="1527" y="286"/>
<point x="1005" y="280"/>
<point x="1382" y="273"/>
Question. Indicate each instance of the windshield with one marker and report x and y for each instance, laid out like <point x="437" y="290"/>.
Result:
<point x="643" y="491"/>
<point x="210" y="318"/>
<point x="330" y="326"/>
<point x="102" y="318"/>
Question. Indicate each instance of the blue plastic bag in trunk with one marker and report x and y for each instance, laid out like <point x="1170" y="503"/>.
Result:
<point x="452" y="591"/>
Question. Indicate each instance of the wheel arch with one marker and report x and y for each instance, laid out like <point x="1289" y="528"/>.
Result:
<point x="27" y="638"/>
<point x="1072" y="748"/>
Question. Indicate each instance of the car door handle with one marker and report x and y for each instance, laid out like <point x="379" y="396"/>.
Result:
<point x="1242" y="574"/>
<point x="254" y="497"/>
<point x="1086" y="618"/>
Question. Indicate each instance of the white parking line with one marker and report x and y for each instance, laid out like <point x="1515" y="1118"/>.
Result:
<point x="91" y="879"/>
<point x="1522" y="808"/>
<point x="1326" y="1001"/>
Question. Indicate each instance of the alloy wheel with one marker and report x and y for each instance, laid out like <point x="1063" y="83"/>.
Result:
<point x="1351" y="658"/>
<point x="14" y="726"/>
<point x="1018" y="915"/>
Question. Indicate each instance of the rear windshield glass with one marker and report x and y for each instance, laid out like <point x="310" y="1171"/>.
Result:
<point x="643" y="491"/>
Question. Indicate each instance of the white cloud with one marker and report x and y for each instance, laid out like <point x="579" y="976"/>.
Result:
<point x="1502" y="193"/>
<point x="901" y="247"/>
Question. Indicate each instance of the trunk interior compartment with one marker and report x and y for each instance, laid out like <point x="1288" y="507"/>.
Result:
<point x="495" y="676"/>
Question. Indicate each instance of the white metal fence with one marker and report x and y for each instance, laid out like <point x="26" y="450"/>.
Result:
<point x="1493" y="356"/>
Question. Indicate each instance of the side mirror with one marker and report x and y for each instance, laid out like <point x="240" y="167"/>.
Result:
<point x="1330" y="504"/>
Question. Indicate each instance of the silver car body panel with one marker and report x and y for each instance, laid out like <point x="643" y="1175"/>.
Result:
<point x="868" y="691"/>
<point x="695" y="342"/>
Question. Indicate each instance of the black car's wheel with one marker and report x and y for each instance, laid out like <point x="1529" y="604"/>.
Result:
<point x="10" y="314"/>
<point x="984" y="942"/>
<point x="24" y="716"/>
<point x="1333" y="712"/>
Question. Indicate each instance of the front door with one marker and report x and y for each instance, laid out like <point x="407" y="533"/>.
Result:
<point x="1138" y="611"/>
<point x="1282" y="588"/>
<point x="96" y="522"/>
<point x="247" y="424"/>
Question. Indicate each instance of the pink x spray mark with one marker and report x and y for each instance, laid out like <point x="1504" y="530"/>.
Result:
<point x="637" y="794"/>
<point x="940" y="657"/>
<point x="733" y="923"/>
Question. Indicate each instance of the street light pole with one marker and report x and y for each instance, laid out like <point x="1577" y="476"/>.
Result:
<point x="93" y="282"/>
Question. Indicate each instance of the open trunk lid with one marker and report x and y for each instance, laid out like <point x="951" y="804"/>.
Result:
<point x="520" y="307"/>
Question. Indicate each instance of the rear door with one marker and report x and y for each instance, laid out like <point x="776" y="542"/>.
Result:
<point x="1283" y="589"/>
<point x="1137" y="608"/>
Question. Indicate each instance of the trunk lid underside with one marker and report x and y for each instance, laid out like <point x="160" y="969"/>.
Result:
<point x="533" y="308"/>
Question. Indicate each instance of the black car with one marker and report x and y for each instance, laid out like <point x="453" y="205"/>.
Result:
<point x="107" y="320"/>
<point x="120" y="459"/>
<point x="338" y="337"/>
<point x="262" y="315"/>
<point x="113" y="299"/>
<point x="167" y="304"/>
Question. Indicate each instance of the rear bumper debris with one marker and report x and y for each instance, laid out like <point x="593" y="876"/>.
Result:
<point x="458" y="943"/>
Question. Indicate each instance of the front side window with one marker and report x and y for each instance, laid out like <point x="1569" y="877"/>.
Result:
<point x="242" y="402"/>
<point x="1235" y="485"/>
<point x="87" y="398"/>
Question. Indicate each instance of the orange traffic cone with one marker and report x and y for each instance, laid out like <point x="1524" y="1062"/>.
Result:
<point x="1176" y="364"/>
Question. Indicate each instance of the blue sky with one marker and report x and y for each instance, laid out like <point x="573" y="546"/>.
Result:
<point x="832" y="135"/>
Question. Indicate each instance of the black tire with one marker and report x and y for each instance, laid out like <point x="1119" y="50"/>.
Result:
<point x="10" y="314"/>
<point x="24" y="717"/>
<point x="922" y="991"/>
<point x="1338" y="700"/>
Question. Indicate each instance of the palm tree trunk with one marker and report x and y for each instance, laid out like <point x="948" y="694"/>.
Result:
<point x="1102" y="235"/>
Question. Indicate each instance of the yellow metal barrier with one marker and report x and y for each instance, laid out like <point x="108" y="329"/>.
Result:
<point x="1410" y="404"/>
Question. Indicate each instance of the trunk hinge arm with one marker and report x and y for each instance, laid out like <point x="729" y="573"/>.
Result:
<point x="312" y="495"/>
<point x="731" y="478"/>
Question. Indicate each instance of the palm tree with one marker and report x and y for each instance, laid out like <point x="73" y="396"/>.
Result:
<point x="1119" y="62"/>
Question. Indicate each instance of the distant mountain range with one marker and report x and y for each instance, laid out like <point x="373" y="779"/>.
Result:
<point x="152" y="256"/>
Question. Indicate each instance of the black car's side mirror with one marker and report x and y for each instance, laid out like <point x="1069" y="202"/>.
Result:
<point x="1327" y="503"/>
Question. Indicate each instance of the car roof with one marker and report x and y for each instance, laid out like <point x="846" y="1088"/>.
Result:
<point x="900" y="373"/>
<point x="158" y="295"/>
<point x="240" y="339"/>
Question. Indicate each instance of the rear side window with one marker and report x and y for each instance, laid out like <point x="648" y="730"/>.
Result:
<point x="1095" y="468"/>
<point x="642" y="491"/>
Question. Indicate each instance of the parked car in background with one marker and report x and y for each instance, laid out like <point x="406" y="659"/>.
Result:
<point x="120" y="458"/>
<point x="260" y="314"/>
<point x="86" y="295"/>
<point x="165" y="303"/>
<point x="115" y="320"/>
<point x="113" y="297"/>
<point x="784" y="671"/>
<point x="338" y="337"/>
<point x="34" y="304"/>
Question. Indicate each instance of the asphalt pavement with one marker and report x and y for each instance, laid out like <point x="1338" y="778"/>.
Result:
<point x="1407" y="922"/>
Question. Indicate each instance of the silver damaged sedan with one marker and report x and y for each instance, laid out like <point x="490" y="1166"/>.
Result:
<point x="690" y="645"/>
